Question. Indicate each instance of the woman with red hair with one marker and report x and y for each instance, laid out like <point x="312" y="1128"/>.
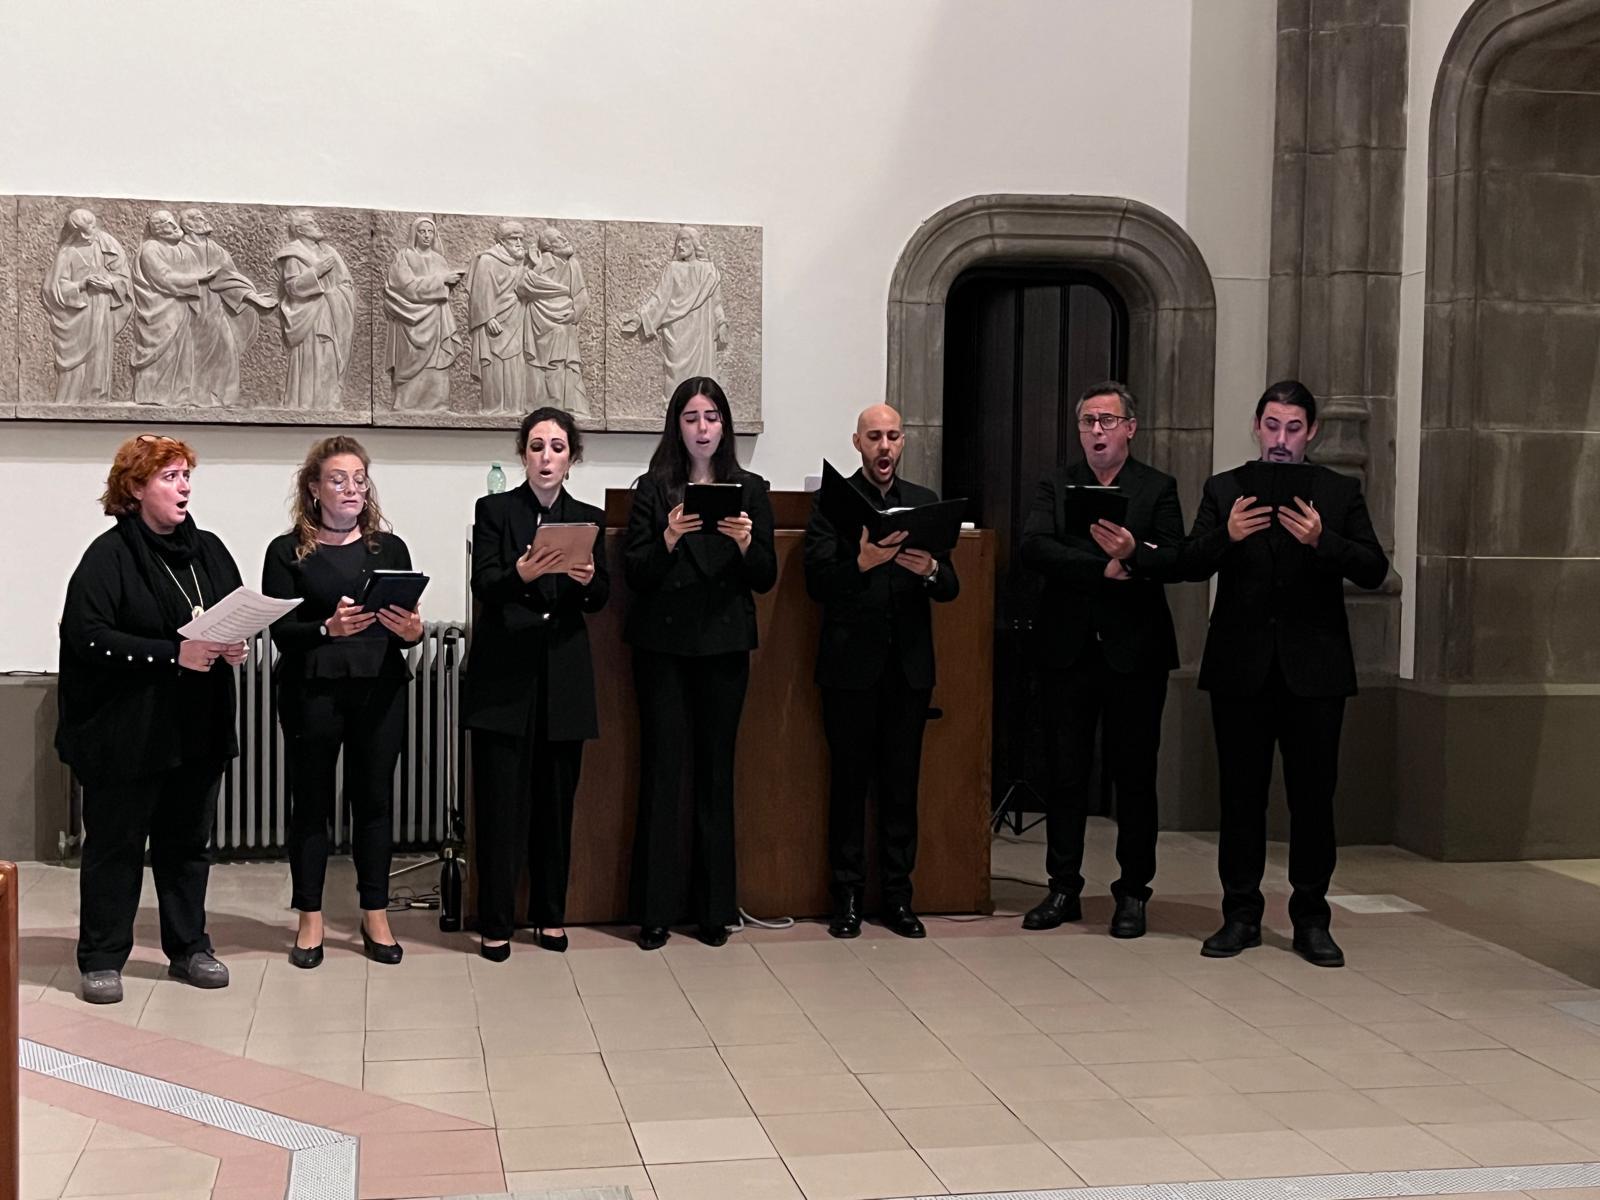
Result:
<point x="147" y="716"/>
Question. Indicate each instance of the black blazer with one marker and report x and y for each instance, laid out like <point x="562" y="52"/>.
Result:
<point x="1129" y="618"/>
<point x="529" y="635"/>
<point x="1279" y="599"/>
<point x="867" y="617"/>
<point x="696" y="599"/>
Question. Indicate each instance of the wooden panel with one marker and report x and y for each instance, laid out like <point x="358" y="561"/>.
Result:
<point x="782" y="765"/>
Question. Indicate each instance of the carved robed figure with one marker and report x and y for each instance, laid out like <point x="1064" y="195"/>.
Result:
<point x="685" y="311"/>
<point x="560" y="297"/>
<point x="88" y="299"/>
<point x="423" y="337"/>
<point x="317" y="305"/>
<point x="498" y="291"/>
<point x="225" y="319"/>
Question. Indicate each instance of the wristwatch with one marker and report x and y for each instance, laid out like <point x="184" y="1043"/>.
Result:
<point x="933" y="574"/>
<point x="323" y="629"/>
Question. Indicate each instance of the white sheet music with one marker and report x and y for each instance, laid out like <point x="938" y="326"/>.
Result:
<point x="240" y="614"/>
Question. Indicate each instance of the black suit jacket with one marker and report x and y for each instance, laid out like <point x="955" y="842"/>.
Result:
<point x="1128" y="618"/>
<point x="525" y="630"/>
<point x="866" y="618"/>
<point x="1277" y="598"/>
<point x="697" y="598"/>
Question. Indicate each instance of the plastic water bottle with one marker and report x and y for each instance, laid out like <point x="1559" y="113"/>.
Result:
<point x="497" y="480"/>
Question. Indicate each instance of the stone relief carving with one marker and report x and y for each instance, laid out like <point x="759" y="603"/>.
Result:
<point x="158" y="310"/>
<point x="89" y="298"/>
<point x="423" y="336"/>
<point x="317" y="305"/>
<point x="684" y="312"/>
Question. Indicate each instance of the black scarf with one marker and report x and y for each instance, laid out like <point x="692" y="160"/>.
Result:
<point x="163" y="556"/>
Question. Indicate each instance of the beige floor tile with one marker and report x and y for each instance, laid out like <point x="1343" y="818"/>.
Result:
<point x="1084" y="1120"/>
<point x="44" y="1175"/>
<point x="1021" y="1085"/>
<point x="926" y="1089"/>
<point x="665" y="1066"/>
<point x="469" y="1106"/>
<point x="425" y="1074"/>
<point x="555" y="1071"/>
<point x="395" y="1044"/>
<point x="1256" y="1155"/>
<point x="1547" y="1030"/>
<point x="1509" y="1143"/>
<point x="745" y="1179"/>
<point x="1396" y="1148"/>
<point x="664" y="1034"/>
<point x="293" y="1021"/>
<point x="1108" y="1161"/>
<point x="632" y="1178"/>
<point x="558" y="1148"/>
<point x="1286" y="1074"/>
<point x="1381" y="1070"/>
<point x="1576" y="1061"/>
<point x="972" y="1125"/>
<point x="706" y="1140"/>
<point x="1491" y="1066"/>
<point x="46" y="1129"/>
<point x="806" y="1094"/>
<point x="1343" y="1038"/>
<point x="983" y="1051"/>
<point x="779" y="1061"/>
<point x="861" y="1132"/>
<point x="999" y="1168"/>
<point x="1455" y="1105"/>
<point x="1441" y="1033"/>
<point x="907" y="1052"/>
<point x="864" y="1176"/>
<point x="419" y="1014"/>
<point x="157" y="1169"/>
<point x="1555" y="1099"/>
<point x="1137" y="1080"/>
<point x="107" y="1136"/>
<point x="1093" y="1017"/>
<point x="293" y="1050"/>
<point x="757" y="1029"/>
<point x="1346" y="1109"/>
<point x="571" y="1104"/>
<point x="1211" y="1041"/>
<point x="684" y="1100"/>
<point x="1297" y="1010"/>
<point x="976" y="1021"/>
<point x="1132" y="1047"/>
<point x="882" y="1023"/>
<point x="1180" y="1115"/>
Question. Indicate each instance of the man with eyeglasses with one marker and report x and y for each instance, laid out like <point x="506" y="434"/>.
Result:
<point x="1108" y="646"/>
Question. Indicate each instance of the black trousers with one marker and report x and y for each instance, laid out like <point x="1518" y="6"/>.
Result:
<point x="366" y="717"/>
<point x="175" y="811"/>
<point x="1081" y="697"/>
<point x="1306" y="730"/>
<point x="522" y="789"/>
<point x="875" y="746"/>
<point x="687" y="705"/>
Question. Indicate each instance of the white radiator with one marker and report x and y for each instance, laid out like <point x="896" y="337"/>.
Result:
<point x="252" y="809"/>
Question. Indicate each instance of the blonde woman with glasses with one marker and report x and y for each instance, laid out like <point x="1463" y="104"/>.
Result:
<point x="341" y="685"/>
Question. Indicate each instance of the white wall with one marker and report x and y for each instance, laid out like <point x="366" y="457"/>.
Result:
<point x="836" y="125"/>
<point x="1432" y="24"/>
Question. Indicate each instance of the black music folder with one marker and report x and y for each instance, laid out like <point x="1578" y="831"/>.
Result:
<point x="397" y="589"/>
<point x="1089" y="503"/>
<point x="931" y="527"/>
<point x="712" y="502"/>
<point x="1278" y="484"/>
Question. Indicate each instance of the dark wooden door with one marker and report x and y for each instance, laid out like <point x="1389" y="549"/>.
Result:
<point x="1020" y="346"/>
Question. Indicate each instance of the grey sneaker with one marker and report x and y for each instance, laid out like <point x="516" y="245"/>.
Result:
<point x="202" y="970"/>
<point x="102" y="987"/>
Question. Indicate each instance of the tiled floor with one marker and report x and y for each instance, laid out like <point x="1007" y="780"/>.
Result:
<point x="790" y="1065"/>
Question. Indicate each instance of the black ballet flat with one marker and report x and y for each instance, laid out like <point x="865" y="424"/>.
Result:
<point x="387" y="953"/>
<point x="306" y="957"/>
<point x="494" y="953"/>
<point x="556" y="942"/>
<point x="653" y="937"/>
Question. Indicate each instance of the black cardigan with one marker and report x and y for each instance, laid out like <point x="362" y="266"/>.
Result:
<point x="531" y="635"/>
<point x="696" y="599"/>
<point x="127" y="709"/>
<point x="306" y="651"/>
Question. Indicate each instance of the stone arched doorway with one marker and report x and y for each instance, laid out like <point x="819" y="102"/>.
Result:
<point x="1141" y="252"/>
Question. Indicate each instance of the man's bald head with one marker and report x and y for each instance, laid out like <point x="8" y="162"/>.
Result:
<point x="879" y="439"/>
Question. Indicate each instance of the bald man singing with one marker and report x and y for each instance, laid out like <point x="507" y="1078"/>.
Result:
<point x="875" y="668"/>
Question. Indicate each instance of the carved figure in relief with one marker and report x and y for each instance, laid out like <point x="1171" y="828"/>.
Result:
<point x="317" y="306"/>
<point x="685" y="311"/>
<point x="423" y="337"/>
<point x="226" y="319"/>
<point x="499" y="288"/>
<point x="88" y="300"/>
<point x="560" y="297"/>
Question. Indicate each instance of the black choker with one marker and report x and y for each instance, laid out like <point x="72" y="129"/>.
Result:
<point x="333" y="529"/>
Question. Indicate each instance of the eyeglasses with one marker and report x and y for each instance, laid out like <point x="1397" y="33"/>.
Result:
<point x="1106" y="421"/>
<point x="155" y="437"/>
<point x="345" y="483"/>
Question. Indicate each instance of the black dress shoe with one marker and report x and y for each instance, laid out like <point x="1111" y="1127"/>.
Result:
<point x="387" y="953"/>
<point x="1233" y="937"/>
<point x="713" y="935"/>
<point x="1128" y="920"/>
<point x="652" y="937"/>
<point x="1055" y="909"/>
<point x="900" y="919"/>
<point x="556" y="942"/>
<point x="1317" y="947"/>
<point x="846" y="921"/>
<point x="306" y="957"/>
<point x="495" y="953"/>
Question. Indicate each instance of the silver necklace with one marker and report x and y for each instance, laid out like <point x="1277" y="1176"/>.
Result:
<point x="198" y="605"/>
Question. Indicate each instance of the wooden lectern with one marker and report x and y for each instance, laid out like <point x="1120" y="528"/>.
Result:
<point x="782" y="784"/>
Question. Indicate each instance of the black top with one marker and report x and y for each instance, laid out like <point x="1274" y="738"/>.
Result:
<point x="529" y="638"/>
<point x="318" y="580"/>
<point x="1129" y="618"/>
<point x="1278" y="599"/>
<point x="127" y="709"/>
<point x="697" y="598"/>
<point x="867" y="617"/>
